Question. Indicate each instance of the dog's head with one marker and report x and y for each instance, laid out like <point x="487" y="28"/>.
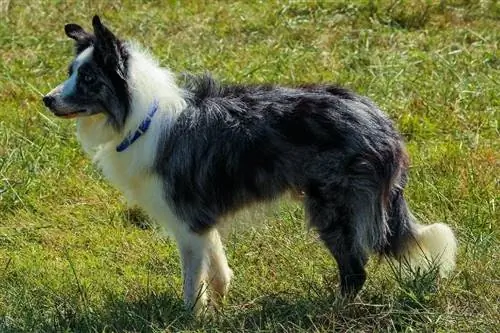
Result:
<point x="97" y="77"/>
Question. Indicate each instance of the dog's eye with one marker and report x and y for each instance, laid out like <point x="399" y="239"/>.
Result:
<point x="87" y="78"/>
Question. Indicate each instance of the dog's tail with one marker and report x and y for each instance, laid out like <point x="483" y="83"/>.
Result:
<point x="415" y="245"/>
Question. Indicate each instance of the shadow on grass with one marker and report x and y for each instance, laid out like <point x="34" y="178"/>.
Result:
<point x="412" y="304"/>
<point x="282" y="312"/>
<point x="122" y="314"/>
<point x="327" y="314"/>
<point x="165" y="313"/>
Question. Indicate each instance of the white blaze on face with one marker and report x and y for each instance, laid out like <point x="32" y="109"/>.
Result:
<point x="69" y="85"/>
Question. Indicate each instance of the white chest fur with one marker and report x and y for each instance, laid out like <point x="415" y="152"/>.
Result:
<point x="126" y="170"/>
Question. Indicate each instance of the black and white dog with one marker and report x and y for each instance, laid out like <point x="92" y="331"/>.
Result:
<point x="190" y="151"/>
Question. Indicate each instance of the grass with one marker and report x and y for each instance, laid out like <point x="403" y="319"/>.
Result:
<point x="74" y="259"/>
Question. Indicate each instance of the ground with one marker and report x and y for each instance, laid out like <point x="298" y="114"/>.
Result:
<point x="73" y="258"/>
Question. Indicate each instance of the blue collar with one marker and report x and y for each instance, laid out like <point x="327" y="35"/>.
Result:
<point x="143" y="127"/>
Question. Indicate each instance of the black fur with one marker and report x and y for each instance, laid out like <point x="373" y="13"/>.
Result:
<point x="239" y="144"/>
<point x="82" y="38"/>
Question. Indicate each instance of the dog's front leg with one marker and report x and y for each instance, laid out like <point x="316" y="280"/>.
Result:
<point x="194" y="260"/>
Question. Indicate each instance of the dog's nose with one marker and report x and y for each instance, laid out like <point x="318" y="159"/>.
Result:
<point x="48" y="101"/>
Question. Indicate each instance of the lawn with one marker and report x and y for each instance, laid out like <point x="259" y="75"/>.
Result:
<point x="74" y="258"/>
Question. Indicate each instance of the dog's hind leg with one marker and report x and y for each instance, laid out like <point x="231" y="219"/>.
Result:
<point x="336" y="229"/>
<point x="351" y="260"/>
<point x="219" y="273"/>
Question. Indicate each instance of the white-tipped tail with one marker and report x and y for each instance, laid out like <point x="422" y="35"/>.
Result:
<point x="433" y="245"/>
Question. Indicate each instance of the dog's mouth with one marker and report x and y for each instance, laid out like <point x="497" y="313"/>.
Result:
<point x="69" y="115"/>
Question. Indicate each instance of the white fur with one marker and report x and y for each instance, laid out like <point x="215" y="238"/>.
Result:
<point x="202" y="256"/>
<point x="434" y="245"/>
<point x="147" y="81"/>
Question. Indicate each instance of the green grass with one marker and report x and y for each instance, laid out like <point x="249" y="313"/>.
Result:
<point x="74" y="259"/>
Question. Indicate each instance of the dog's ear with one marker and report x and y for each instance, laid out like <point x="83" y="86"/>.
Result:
<point x="82" y="38"/>
<point x="75" y="32"/>
<point x="108" y="48"/>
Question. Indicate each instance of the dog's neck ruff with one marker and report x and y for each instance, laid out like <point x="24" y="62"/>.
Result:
<point x="143" y="127"/>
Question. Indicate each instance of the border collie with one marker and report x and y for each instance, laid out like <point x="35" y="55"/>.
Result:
<point x="190" y="150"/>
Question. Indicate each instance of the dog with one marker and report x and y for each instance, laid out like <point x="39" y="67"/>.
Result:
<point x="190" y="151"/>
